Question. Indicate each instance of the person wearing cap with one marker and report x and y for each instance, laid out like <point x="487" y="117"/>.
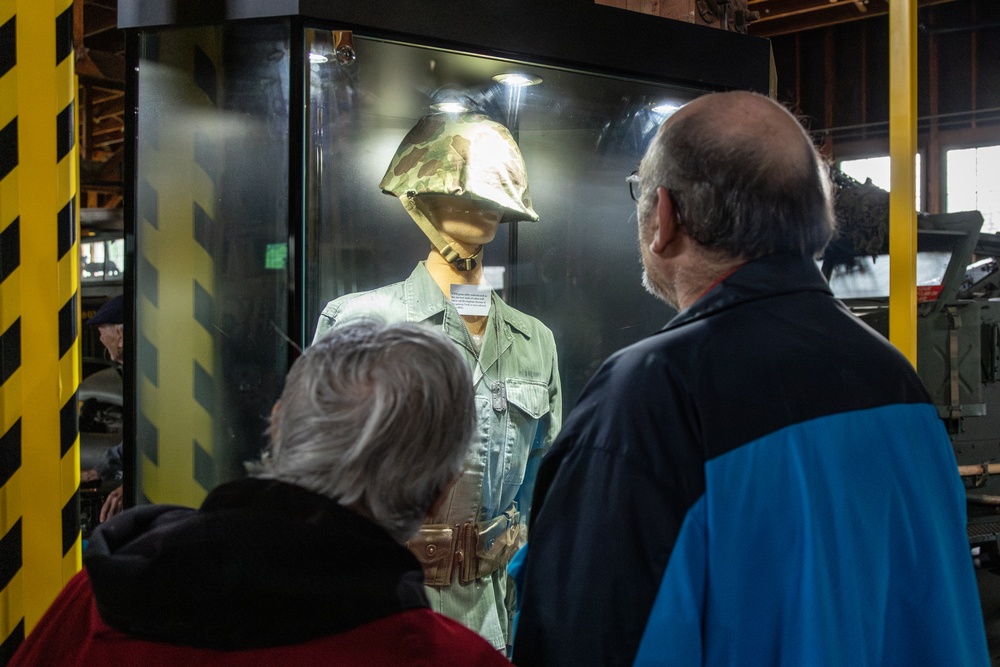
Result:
<point x="110" y="322"/>
<point x="459" y="176"/>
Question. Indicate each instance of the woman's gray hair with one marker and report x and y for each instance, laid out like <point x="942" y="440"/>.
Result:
<point x="743" y="195"/>
<point x="377" y="417"/>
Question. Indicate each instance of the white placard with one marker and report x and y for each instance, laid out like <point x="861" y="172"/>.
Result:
<point x="471" y="299"/>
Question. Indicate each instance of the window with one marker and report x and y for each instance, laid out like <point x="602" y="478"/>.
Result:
<point x="974" y="183"/>
<point x="102" y="259"/>
<point x="877" y="169"/>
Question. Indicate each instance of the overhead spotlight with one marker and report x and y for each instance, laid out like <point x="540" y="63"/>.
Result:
<point x="666" y="107"/>
<point x="317" y="58"/>
<point x="449" y="107"/>
<point x="517" y="79"/>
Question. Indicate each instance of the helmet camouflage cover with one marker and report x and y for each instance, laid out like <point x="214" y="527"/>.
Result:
<point x="466" y="155"/>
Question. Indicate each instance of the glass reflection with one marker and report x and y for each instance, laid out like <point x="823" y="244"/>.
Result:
<point x="212" y="209"/>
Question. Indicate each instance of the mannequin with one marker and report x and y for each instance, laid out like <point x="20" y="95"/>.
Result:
<point x="459" y="178"/>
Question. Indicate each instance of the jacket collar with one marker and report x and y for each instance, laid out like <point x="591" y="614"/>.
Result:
<point x="761" y="278"/>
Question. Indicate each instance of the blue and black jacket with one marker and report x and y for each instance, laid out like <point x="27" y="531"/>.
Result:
<point x="763" y="482"/>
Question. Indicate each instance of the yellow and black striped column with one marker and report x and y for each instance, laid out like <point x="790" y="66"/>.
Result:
<point x="178" y="392"/>
<point x="39" y="313"/>
<point x="11" y="599"/>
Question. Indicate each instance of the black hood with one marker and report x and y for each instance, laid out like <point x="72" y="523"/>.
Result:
<point x="261" y="563"/>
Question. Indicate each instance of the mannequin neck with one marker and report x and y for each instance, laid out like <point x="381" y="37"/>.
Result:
<point x="445" y="275"/>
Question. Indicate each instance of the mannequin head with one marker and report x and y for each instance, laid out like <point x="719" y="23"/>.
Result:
<point x="458" y="176"/>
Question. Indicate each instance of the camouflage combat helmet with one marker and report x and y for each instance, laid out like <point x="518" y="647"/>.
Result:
<point x="467" y="155"/>
<point x="464" y="155"/>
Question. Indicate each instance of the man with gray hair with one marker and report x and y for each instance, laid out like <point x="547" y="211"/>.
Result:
<point x="303" y="564"/>
<point x="775" y="486"/>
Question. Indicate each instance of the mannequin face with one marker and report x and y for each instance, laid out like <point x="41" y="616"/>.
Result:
<point x="461" y="219"/>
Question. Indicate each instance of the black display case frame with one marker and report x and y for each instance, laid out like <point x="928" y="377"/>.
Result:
<point x="572" y="34"/>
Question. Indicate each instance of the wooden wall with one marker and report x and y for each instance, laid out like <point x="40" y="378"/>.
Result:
<point x="837" y="79"/>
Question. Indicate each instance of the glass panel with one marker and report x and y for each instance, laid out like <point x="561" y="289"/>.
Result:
<point x="973" y="184"/>
<point x="211" y="206"/>
<point x="577" y="269"/>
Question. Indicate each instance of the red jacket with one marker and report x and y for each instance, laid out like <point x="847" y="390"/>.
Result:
<point x="72" y="633"/>
<point x="157" y="589"/>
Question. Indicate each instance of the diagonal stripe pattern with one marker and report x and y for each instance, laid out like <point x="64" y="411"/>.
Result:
<point x="175" y="228"/>
<point x="39" y="313"/>
<point x="11" y="532"/>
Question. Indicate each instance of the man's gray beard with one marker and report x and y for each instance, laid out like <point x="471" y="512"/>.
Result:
<point x="656" y="290"/>
<point x="647" y="282"/>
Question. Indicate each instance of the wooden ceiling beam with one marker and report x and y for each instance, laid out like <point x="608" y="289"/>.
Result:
<point x="780" y="8"/>
<point x="100" y="65"/>
<point x="781" y="17"/>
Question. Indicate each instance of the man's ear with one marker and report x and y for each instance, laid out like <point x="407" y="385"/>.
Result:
<point x="666" y="225"/>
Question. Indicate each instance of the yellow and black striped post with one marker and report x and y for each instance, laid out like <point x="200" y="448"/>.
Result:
<point x="11" y="588"/>
<point x="39" y="313"/>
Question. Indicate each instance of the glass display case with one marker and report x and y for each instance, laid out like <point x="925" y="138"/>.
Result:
<point x="261" y="133"/>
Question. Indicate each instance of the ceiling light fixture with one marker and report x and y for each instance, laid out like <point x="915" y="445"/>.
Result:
<point x="666" y="107"/>
<point x="517" y="79"/>
<point x="449" y="107"/>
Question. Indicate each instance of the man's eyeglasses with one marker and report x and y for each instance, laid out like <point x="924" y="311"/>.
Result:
<point x="634" y="185"/>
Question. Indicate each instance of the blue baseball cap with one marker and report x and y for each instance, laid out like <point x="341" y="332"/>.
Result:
<point x="112" y="312"/>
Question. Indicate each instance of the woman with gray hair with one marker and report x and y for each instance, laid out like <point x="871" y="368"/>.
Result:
<point x="302" y="564"/>
<point x="340" y="425"/>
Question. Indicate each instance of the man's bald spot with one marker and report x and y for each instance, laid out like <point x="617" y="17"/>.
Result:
<point x="760" y="124"/>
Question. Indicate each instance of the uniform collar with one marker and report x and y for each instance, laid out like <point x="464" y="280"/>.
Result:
<point x="424" y="300"/>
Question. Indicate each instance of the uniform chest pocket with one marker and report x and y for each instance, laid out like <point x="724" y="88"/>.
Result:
<point x="528" y="406"/>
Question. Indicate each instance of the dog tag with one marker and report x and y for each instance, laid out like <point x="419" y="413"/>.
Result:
<point x="499" y="396"/>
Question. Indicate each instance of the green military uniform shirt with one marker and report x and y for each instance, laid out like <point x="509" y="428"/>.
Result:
<point x="518" y="402"/>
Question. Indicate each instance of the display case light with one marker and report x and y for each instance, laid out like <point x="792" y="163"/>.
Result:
<point x="449" y="107"/>
<point x="517" y="79"/>
<point x="317" y="58"/>
<point x="666" y="107"/>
